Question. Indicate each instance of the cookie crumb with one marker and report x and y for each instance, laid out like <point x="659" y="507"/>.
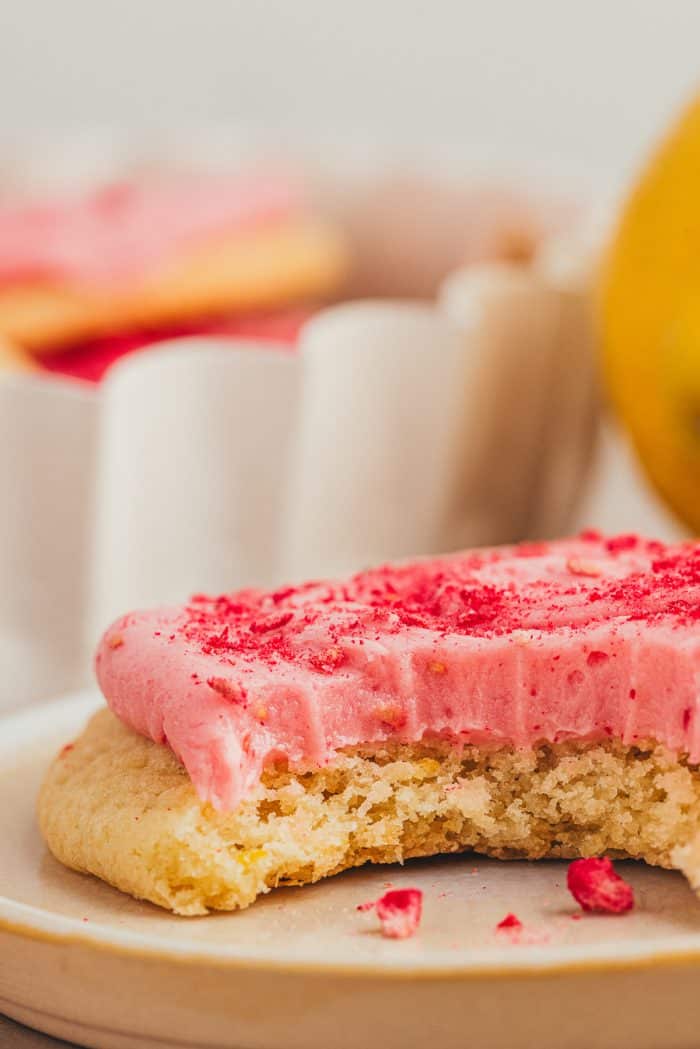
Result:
<point x="577" y="566"/>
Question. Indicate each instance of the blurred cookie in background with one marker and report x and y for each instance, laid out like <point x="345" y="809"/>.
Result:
<point x="90" y="274"/>
<point x="161" y="257"/>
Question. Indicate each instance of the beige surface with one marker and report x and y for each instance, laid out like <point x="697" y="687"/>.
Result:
<point x="301" y="969"/>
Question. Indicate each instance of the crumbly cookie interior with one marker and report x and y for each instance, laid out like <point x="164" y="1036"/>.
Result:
<point x="121" y="807"/>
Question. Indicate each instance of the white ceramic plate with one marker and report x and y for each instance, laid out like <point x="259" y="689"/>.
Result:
<point x="302" y="969"/>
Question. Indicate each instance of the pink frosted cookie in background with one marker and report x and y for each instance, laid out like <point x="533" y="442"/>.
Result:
<point x="88" y="277"/>
<point x="160" y="253"/>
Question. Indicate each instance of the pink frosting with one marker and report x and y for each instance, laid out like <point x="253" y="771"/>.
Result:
<point x="121" y="231"/>
<point x="585" y="639"/>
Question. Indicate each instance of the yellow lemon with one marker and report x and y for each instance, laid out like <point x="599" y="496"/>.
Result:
<point x="651" y="317"/>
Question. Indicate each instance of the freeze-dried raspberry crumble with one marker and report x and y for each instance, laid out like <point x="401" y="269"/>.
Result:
<point x="399" y="912"/>
<point x="595" y="884"/>
<point x="511" y="921"/>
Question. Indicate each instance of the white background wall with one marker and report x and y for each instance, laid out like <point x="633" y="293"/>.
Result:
<point x="576" y="86"/>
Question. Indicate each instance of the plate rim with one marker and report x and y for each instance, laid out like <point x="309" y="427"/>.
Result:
<point x="42" y="925"/>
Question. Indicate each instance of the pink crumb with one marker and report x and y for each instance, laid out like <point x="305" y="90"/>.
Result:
<point x="399" y="912"/>
<point x="596" y="886"/>
<point x="511" y="921"/>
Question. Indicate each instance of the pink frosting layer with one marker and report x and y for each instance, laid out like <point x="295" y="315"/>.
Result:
<point x="580" y="639"/>
<point x="121" y="231"/>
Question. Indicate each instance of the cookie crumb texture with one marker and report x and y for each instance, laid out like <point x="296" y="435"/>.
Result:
<point x="121" y="807"/>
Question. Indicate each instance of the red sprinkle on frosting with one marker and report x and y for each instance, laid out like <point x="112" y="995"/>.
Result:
<point x="619" y="543"/>
<point x="328" y="661"/>
<point x="228" y="689"/>
<point x="450" y="596"/>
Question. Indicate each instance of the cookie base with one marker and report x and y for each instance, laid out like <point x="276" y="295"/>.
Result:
<point x="120" y="807"/>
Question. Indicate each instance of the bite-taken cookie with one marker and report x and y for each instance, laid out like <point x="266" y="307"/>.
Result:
<point x="149" y="255"/>
<point x="529" y="701"/>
